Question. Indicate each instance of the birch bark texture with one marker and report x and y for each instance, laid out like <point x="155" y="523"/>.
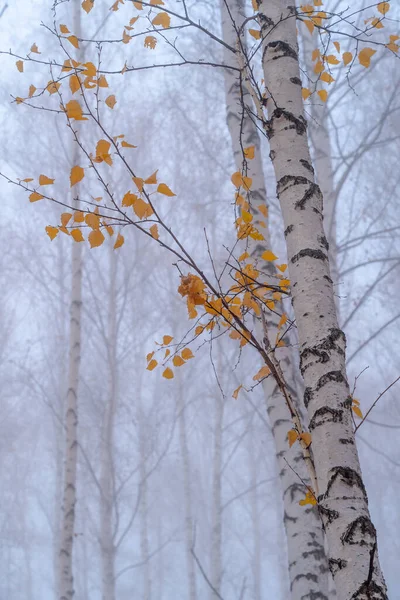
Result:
<point x="342" y="498"/>
<point x="307" y="562"/>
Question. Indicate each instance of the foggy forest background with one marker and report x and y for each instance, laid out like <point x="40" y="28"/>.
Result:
<point x="184" y="453"/>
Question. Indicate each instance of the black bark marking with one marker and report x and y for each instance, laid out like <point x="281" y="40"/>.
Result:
<point x="336" y="564"/>
<point x="308" y="396"/>
<point x="294" y="489"/>
<point x="285" y="50"/>
<point x="307" y="165"/>
<point x="336" y="376"/>
<point x="307" y="576"/>
<point x="313" y="190"/>
<point x="322" y="240"/>
<point x="328" y="278"/>
<point x="328" y="513"/>
<point x="295" y="80"/>
<point x="289" y="180"/>
<point x="346" y="441"/>
<point x="325" y="414"/>
<point x="352" y="479"/>
<point x="370" y="591"/>
<point x="272" y="155"/>
<point x="298" y="123"/>
<point x="357" y="532"/>
<point x="287" y="517"/>
<point x="323" y="350"/>
<point x="288" y="230"/>
<point x="317" y="254"/>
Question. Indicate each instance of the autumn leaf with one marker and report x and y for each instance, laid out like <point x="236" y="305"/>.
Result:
<point x="87" y="5"/>
<point x="347" y="58"/>
<point x="164" y="189"/>
<point x="282" y="321"/>
<point x="162" y="19"/>
<point x="152" y="179"/>
<point x="306" y="93"/>
<point x="383" y="7"/>
<point x="268" y="255"/>
<point x="35" y="49"/>
<point x="292" y="437"/>
<point x="125" y="37"/>
<point x="236" y="392"/>
<point x="327" y="77"/>
<point x="318" y="67"/>
<point x="337" y="46"/>
<point x="73" y="40"/>
<point x="168" y="373"/>
<point x="92" y="220"/>
<point x="246" y="216"/>
<point x="64" y="29"/>
<point x="89" y="70"/>
<point x="357" y="411"/>
<point x="154" y="232"/>
<point x="35" y="196"/>
<point x="119" y="241"/>
<point x="111" y="101"/>
<point x="243" y="256"/>
<point x="96" y="238"/>
<point x="150" y="42"/>
<point x="74" y="84"/>
<point x="53" y="87"/>
<point x="76" y="175"/>
<point x="125" y="144"/>
<point x="249" y="152"/>
<point x="20" y="66"/>
<point x="32" y="90"/>
<point x="255" y="33"/>
<point x="142" y="209"/>
<point x="129" y="199"/>
<point x="76" y="235"/>
<point x="187" y="353"/>
<point x="331" y="59"/>
<point x="152" y="365"/>
<point x="178" y="361"/>
<point x="79" y="217"/>
<point x="52" y="232"/>
<point x="102" y="82"/>
<point x="44" y="180"/>
<point x="306" y="437"/>
<point x="365" y="56"/>
<point x="309" y="499"/>
<point x="263" y="372"/>
<point x="323" y="94"/>
<point x="74" y="111"/>
<point x="65" y="219"/>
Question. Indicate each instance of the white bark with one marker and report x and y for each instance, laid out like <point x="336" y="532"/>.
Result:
<point x="107" y="477"/>
<point x="308" y="569"/>
<point x="187" y="492"/>
<point x="144" y="533"/>
<point x="216" y="508"/>
<point x="342" y="499"/>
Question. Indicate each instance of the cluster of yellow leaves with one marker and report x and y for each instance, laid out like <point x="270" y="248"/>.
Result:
<point x="314" y="18"/>
<point x="355" y="406"/>
<point x="193" y="288"/>
<point x="294" y="435"/>
<point x="178" y="359"/>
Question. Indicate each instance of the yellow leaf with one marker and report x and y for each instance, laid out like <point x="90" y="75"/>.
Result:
<point x="127" y="145"/>
<point x="377" y="23"/>
<point x="282" y="321"/>
<point x="53" y="87"/>
<point x="315" y="54"/>
<point x="129" y="199"/>
<point x="263" y="210"/>
<point x="73" y="40"/>
<point x="268" y="255"/>
<point x="142" y="209"/>
<point x="309" y="499"/>
<point x="74" y="111"/>
<point x="383" y="7"/>
<point x="255" y="33"/>
<point x="34" y="49"/>
<point x="310" y="26"/>
<point x="65" y="218"/>
<point x="102" y="82"/>
<point x="154" y="232"/>
<point x="90" y="69"/>
<point x="337" y="46"/>
<point x="64" y="29"/>
<point x="199" y="330"/>
<point x="236" y="392"/>
<point x="103" y="152"/>
<point x="162" y="19"/>
<point x="187" y="353"/>
<point x="138" y="5"/>
<point x="76" y="175"/>
<point x="168" y="374"/>
<point x="152" y="365"/>
<point x="167" y="339"/>
<point x="282" y="268"/>
<point x="44" y="180"/>
<point x="96" y="238"/>
<point x="92" y="220"/>
<point x="156" y="2"/>
<point x="74" y="83"/>
<point x="365" y="56"/>
<point x="76" y="235"/>
<point x="35" y="196"/>
<point x="306" y="437"/>
<point x="292" y="437"/>
<point x="331" y="59"/>
<point x="150" y="42"/>
<point x="152" y="179"/>
<point x="32" y="90"/>
<point x="246" y="216"/>
<point x="125" y="37"/>
<point x="111" y="102"/>
<point x="164" y="189"/>
<point x="20" y="66"/>
<point x="254" y="5"/>
<point x="52" y="232"/>
<point x="306" y="93"/>
<point x="119" y="241"/>
<point x="249" y="152"/>
<point x="150" y="356"/>
<point x="178" y="361"/>
<point x="263" y="372"/>
<point x="357" y="411"/>
<point x="323" y="94"/>
<point x="318" y="67"/>
<point x="87" y="5"/>
<point x="243" y="256"/>
<point x="27" y="179"/>
<point x="327" y="77"/>
<point x="138" y="181"/>
<point x="347" y="57"/>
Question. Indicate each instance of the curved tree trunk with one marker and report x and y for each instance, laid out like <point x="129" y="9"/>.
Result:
<point x="308" y="568"/>
<point x="342" y="499"/>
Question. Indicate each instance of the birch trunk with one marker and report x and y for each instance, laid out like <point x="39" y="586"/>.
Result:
<point x="144" y="533"/>
<point x="187" y="492"/>
<point x="307" y="563"/>
<point x="216" y="514"/>
<point x="107" y="477"/>
<point x="67" y="533"/>
<point x="66" y="585"/>
<point x="342" y="499"/>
